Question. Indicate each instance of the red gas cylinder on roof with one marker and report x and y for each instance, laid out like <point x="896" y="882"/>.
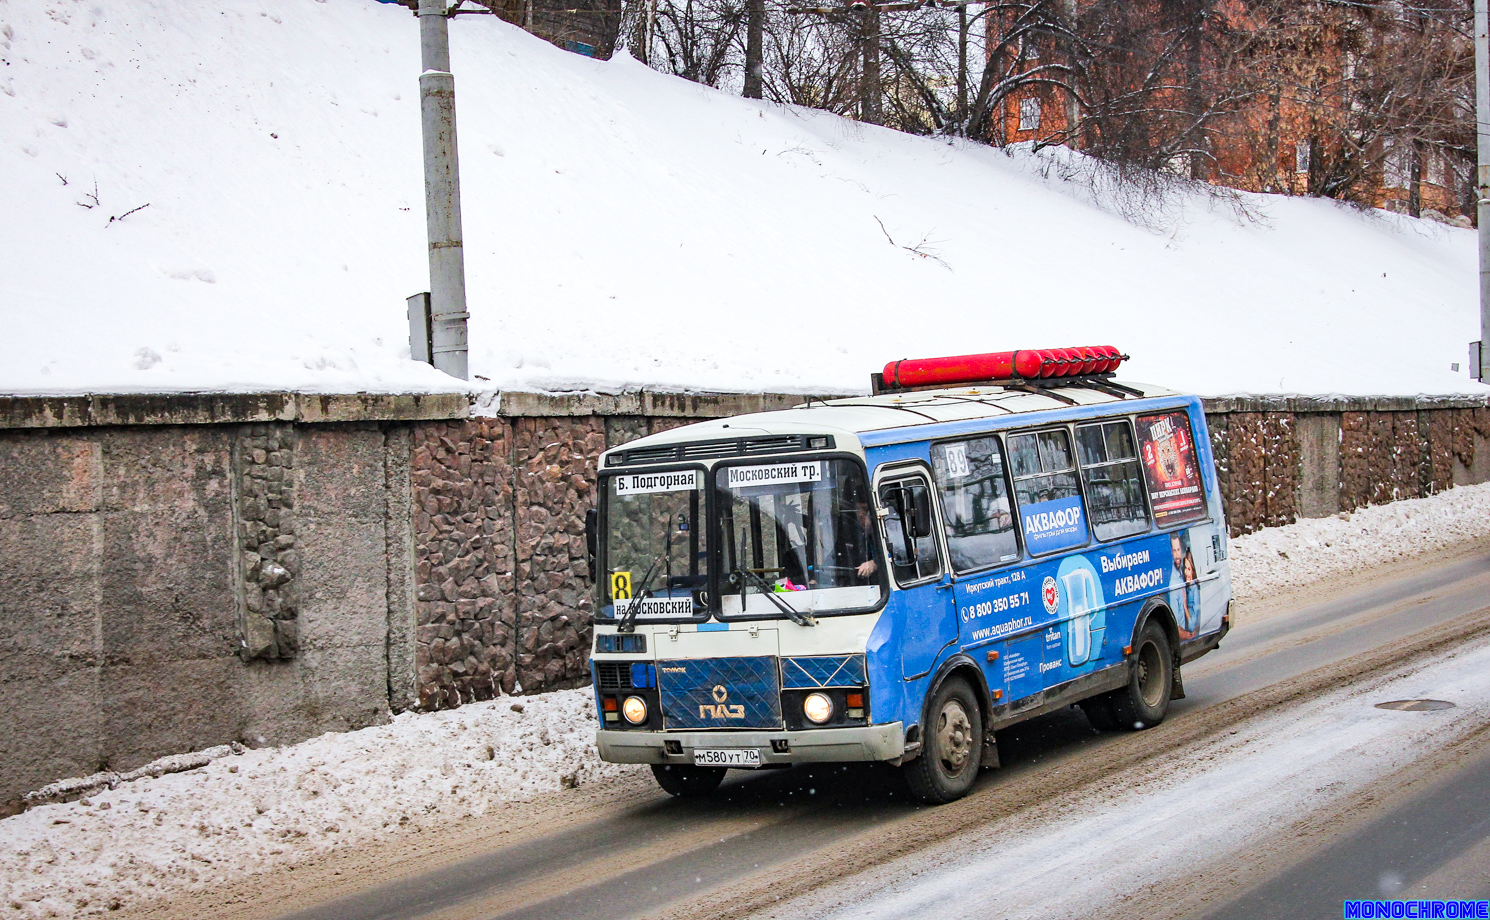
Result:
<point x="1002" y="365"/>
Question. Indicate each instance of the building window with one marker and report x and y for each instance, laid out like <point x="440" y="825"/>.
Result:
<point x="1435" y="169"/>
<point x="1396" y="168"/>
<point x="1029" y="114"/>
<point x="1301" y="157"/>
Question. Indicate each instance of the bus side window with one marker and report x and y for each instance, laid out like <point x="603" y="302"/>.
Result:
<point x="909" y="530"/>
<point x="1045" y="485"/>
<point x="1113" y="478"/>
<point x="976" y="507"/>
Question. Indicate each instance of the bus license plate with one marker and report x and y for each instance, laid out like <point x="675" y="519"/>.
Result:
<point x="726" y="758"/>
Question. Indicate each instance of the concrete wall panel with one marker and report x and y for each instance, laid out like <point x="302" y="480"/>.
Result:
<point x="1319" y="464"/>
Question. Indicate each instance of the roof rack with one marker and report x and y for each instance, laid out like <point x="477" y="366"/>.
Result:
<point x="1033" y="371"/>
<point x="1102" y="383"/>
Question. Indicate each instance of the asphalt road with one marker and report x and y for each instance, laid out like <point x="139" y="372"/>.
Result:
<point x="1436" y="844"/>
<point x="665" y="857"/>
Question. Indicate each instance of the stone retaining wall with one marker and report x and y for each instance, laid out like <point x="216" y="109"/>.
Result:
<point x="1279" y="460"/>
<point x="179" y="572"/>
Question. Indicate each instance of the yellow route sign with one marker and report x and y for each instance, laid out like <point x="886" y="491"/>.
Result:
<point x="620" y="586"/>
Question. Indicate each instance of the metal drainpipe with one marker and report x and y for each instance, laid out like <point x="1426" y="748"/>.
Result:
<point x="447" y="261"/>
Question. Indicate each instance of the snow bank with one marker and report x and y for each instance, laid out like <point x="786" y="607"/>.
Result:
<point x="268" y="808"/>
<point x="621" y="228"/>
<point x="1311" y="550"/>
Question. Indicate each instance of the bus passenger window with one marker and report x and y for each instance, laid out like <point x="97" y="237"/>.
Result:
<point x="1043" y="470"/>
<point x="1050" y="504"/>
<point x="1113" y="478"/>
<point x="976" y="509"/>
<point x="912" y="542"/>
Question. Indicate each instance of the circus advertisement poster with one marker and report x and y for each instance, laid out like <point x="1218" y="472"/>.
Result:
<point x="1170" y="466"/>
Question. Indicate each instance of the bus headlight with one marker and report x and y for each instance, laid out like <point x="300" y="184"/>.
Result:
<point x="635" y="710"/>
<point x="817" y="708"/>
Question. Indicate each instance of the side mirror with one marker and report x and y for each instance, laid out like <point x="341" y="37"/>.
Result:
<point x="921" y="517"/>
<point x="592" y="537"/>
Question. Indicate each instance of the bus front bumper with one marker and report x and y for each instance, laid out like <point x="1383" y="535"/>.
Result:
<point x="822" y="745"/>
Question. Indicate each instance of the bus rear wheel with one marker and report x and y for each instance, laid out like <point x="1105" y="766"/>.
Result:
<point x="1145" y="701"/>
<point x="952" y="746"/>
<point x="686" y="781"/>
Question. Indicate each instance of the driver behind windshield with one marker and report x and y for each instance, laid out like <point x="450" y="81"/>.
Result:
<point x="854" y="548"/>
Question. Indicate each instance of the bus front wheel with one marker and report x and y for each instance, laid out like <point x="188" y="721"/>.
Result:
<point x="952" y="746"/>
<point x="687" y="781"/>
<point x="1145" y="701"/>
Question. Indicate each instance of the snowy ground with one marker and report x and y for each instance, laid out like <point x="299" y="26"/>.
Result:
<point x="621" y="228"/>
<point x="1292" y="556"/>
<point x="269" y="808"/>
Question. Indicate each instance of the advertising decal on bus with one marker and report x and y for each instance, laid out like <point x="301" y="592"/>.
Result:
<point x="1170" y="467"/>
<point x="1070" y="599"/>
<point x="1054" y="525"/>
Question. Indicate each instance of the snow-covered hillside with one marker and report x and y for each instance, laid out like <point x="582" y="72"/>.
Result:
<point x="622" y="227"/>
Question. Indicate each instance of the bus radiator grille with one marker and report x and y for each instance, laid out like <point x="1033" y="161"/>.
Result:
<point x="720" y="693"/>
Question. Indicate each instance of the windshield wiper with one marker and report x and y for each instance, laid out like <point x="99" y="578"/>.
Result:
<point x="627" y="623"/>
<point x="792" y="613"/>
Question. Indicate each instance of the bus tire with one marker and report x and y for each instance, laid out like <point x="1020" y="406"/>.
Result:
<point x="952" y="745"/>
<point x="687" y="781"/>
<point x="1145" y="701"/>
<point x="1098" y="711"/>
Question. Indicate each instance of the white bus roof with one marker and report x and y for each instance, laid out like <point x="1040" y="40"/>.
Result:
<point x="855" y="415"/>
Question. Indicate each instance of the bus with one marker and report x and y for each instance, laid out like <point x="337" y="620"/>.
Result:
<point x="896" y="577"/>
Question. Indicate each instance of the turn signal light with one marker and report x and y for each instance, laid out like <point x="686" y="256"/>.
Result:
<point x="854" y="700"/>
<point x="608" y="704"/>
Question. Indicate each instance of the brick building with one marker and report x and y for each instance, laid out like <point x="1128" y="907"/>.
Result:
<point x="1301" y="92"/>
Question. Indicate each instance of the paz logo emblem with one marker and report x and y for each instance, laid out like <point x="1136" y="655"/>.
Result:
<point x="719" y="709"/>
<point x="1050" y="593"/>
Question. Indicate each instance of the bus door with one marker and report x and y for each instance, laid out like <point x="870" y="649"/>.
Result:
<point x="927" y="612"/>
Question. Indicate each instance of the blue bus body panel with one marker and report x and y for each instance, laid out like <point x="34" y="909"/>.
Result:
<point x="1050" y="620"/>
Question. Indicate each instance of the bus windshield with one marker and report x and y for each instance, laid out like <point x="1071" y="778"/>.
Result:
<point x="656" y="554"/>
<point x="802" y="531"/>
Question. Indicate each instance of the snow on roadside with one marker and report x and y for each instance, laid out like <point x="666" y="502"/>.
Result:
<point x="263" y="809"/>
<point x="267" y="808"/>
<point x="1315" y="549"/>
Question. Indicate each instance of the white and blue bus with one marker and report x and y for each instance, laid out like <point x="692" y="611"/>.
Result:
<point x="895" y="577"/>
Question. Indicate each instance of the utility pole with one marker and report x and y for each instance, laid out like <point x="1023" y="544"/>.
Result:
<point x="447" y="262"/>
<point x="1479" y="352"/>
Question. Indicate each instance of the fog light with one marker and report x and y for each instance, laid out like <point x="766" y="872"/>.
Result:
<point x="635" y="710"/>
<point x="817" y="708"/>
